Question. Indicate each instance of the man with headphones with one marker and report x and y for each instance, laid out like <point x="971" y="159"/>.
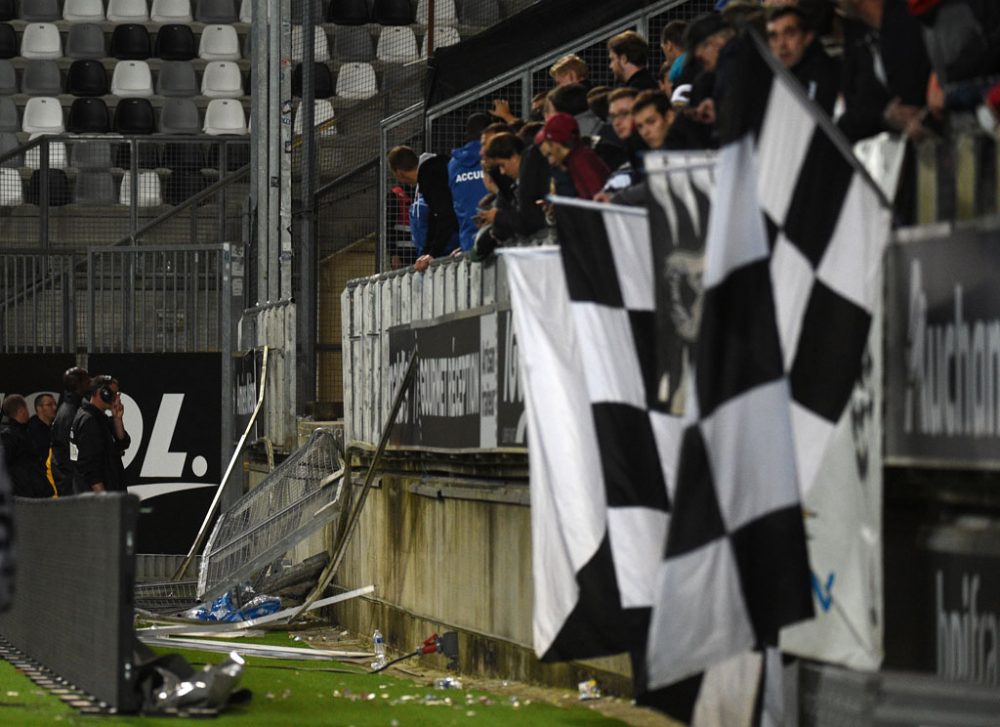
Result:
<point x="97" y="441"/>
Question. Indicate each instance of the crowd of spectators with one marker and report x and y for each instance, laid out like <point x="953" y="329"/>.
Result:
<point x="72" y="446"/>
<point x="873" y="66"/>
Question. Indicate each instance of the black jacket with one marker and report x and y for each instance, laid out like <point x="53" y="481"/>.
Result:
<point x="26" y="473"/>
<point x="96" y="452"/>
<point x="520" y="214"/>
<point x="820" y="74"/>
<point x="39" y="435"/>
<point x="432" y="183"/>
<point x="62" y="471"/>
<point x="641" y="80"/>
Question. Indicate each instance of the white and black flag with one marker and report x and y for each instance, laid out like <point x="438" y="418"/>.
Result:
<point x="795" y="239"/>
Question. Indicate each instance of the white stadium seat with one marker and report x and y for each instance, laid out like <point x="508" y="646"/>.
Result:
<point x="132" y="79"/>
<point x="225" y="116"/>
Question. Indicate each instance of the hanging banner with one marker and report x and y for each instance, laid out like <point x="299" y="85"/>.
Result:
<point x="173" y="414"/>
<point x="943" y="344"/>
<point x="466" y="394"/>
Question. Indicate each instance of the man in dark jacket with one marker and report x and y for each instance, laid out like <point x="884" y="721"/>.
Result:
<point x="429" y="172"/>
<point x="76" y="382"/>
<point x="796" y="46"/>
<point x="627" y="54"/>
<point x="97" y="441"/>
<point x="40" y="425"/>
<point x="26" y="471"/>
<point x="465" y="179"/>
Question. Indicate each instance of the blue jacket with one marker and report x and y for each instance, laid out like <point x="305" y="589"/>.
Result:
<point x="465" y="177"/>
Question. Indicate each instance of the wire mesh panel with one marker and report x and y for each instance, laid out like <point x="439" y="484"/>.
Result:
<point x="158" y="299"/>
<point x="298" y="498"/>
<point x="166" y="597"/>
<point x="39" y="297"/>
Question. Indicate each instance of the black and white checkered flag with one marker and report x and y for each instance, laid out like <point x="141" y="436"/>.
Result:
<point x="795" y="238"/>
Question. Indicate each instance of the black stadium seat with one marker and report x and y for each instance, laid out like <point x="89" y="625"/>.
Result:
<point x="87" y="78"/>
<point x="88" y="116"/>
<point x="130" y="42"/>
<point x="322" y="81"/>
<point x="184" y="157"/>
<point x="175" y="43"/>
<point x="393" y="12"/>
<point x="8" y="9"/>
<point x="8" y="41"/>
<point x="58" y="188"/>
<point x="215" y="12"/>
<point x="148" y="157"/>
<point x="348" y="12"/>
<point x="134" y="116"/>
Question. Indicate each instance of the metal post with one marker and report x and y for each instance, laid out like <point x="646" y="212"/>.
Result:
<point x="307" y="254"/>
<point x="43" y="202"/>
<point x="220" y="203"/>
<point x="429" y="40"/>
<point x="226" y="346"/>
<point x="260" y="118"/>
<point x="133" y="208"/>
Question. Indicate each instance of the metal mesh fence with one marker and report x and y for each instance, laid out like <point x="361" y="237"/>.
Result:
<point x="40" y="293"/>
<point x="298" y="498"/>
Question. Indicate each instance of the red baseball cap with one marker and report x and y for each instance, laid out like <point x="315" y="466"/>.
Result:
<point x="560" y="128"/>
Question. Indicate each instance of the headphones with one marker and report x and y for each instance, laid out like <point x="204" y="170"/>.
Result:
<point x="102" y="387"/>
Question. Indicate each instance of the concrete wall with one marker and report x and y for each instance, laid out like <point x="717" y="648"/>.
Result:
<point x="454" y="554"/>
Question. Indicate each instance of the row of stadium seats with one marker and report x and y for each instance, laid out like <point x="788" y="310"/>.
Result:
<point x="219" y="79"/>
<point x="128" y="42"/>
<point x="126" y="11"/>
<point x="94" y="154"/>
<point x="44" y="115"/>
<point x="397" y="44"/>
<point x="401" y="12"/>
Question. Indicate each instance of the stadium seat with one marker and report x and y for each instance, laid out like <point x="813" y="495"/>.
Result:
<point x="175" y="43"/>
<point x="9" y="120"/>
<point x="88" y="116"/>
<point x="356" y="81"/>
<point x="392" y="12"/>
<point x="57" y="154"/>
<point x="184" y="157"/>
<point x="171" y="11"/>
<point x="148" y="190"/>
<point x="41" y="78"/>
<point x="318" y="11"/>
<point x="219" y="43"/>
<point x="222" y="79"/>
<point x="59" y="194"/>
<point x="148" y="156"/>
<point x="8" y="41"/>
<point x="11" y="188"/>
<point x="8" y="143"/>
<point x="216" y="11"/>
<point x="479" y="13"/>
<point x="177" y="78"/>
<point x="443" y="36"/>
<point x="132" y="78"/>
<point x="130" y="42"/>
<point x="128" y="11"/>
<point x="322" y="81"/>
<point x="87" y="77"/>
<point x="246" y="12"/>
<point x="353" y="43"/>
<point x="43" y="114"/>
<point x="85" y="40"/>
<point x="397" y="45"/>
<point x="90" y="154"/>
<point x="444" y="13"/>
<point x="321" y="48"/>
<point x="348" y="12"/>
<point x="40" y="11"/>
<point x="8" y="78"/>
<point x="237" y="156"/>
<point x="8" y="9"/>
<point x="179" y="116"/>
<point x="224" y="116"/>
<point x="94" y="187"/>
<point x="134" y="116"/>
<point x="181" y="186"/>
<point x="322" y="112"/>
<point x="83" y="11"/>
<point x="41" y="40"/>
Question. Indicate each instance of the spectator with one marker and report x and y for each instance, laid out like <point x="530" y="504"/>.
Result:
<point x="597" y="102"/>
<point x="571" y="69"/>
<point x="582" y="173"/>
<point x="40" y="426"/>
<point x="620" y="115"/>
<point x="465" y="179"/>
<point x="672" y="41"/>
<point x="402" y="253"/>
<point x="627" y="53"/>
<point x="652" y="116"/>
<point x="519" y="216"/>
<point x="573" y="100"/>
<point x="97" y="441"/>
<point x="76" y="382"/>
<point x="27" y="473"/>
<point x="432" y="216"/>
<point x="706" y="37"/>
<point x="796" y="46"/>
<point x="663" y="82"/>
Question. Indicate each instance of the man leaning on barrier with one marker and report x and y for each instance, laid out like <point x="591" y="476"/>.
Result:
<point x="97" y="442"/>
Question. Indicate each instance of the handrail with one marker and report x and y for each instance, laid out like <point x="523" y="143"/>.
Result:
<point x="189" y="202"/>
<point x="347" y="176"/>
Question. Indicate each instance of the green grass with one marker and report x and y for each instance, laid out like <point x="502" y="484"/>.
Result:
<point x="292" y="693"/>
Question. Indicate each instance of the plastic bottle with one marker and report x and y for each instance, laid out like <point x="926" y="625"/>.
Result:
<point x="378" y="641"/>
